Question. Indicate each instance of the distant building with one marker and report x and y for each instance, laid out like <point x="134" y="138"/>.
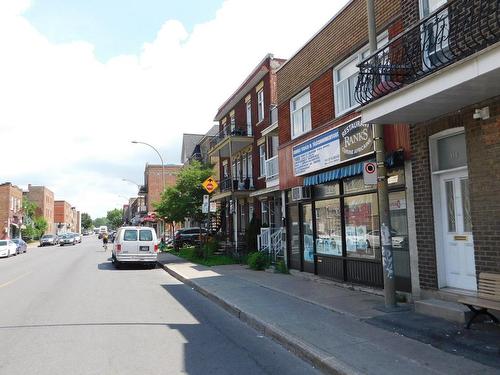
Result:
<point x="63" y="217"/>
<point x="156" y="179"/>
<point x="189" y="143"/>
<point x="11" y="216"/>
<point x="44" y="199"/>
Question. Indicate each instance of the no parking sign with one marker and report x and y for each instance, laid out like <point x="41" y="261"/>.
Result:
<point x="370" y="173"/>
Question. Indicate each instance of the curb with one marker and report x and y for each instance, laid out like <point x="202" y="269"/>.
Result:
<point x="315" y="357"/>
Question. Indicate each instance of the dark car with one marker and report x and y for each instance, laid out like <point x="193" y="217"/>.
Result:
<point x="188" y="236"/>
<point x="22" y="246"/>
<point x="49" y="239"/>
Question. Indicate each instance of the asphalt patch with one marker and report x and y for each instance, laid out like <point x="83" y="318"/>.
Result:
<point x="481" y="343"/>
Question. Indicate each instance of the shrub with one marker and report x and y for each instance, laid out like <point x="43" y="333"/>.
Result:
<point x="258" y="261"/>
<point x="281" y="267"/>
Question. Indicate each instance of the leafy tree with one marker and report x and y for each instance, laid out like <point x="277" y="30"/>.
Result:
<point x="185" y="199"/>
<point x="29" y="209"/>
<point x="86" y="221"/>
<point x="115" y="218"/>
<point x="100" y="221"/>
<point x="40" y="225"/>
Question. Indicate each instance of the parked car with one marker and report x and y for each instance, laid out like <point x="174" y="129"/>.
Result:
<point x="86" y="232"/>
<point x="135" y="245"/>
<point x="188" y="236"/>
<point x="21" y="246"/>
<point x="7" y="248"/>
<point x="78" y="237"/>
<point x="49" y="239"/>
<point x="67" y="239"/>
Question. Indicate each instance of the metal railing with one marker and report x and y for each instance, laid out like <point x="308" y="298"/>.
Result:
<point x="453" y="32"/>
<point x="236" y="184"/>
<point x="271" y="241"/>
<point x="272" y="168"/>
<point x="229" y="131"/>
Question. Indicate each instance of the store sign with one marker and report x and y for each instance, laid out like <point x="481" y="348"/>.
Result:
<point x="333" y="147"/>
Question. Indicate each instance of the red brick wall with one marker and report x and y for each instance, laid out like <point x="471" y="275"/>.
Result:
<point x="153" y="175"/>
<point x="343" y="36"/>
<point x="483" y="153"/>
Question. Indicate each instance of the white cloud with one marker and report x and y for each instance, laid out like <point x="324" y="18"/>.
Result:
<point x="60" y="106"/>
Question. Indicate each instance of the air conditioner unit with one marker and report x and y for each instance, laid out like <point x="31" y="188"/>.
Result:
<point x="301" y="192"/>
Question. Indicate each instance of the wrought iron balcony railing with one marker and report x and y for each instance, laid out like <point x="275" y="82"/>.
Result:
<point x="236" y="184"/>
<point x="453" y="32"/>
<point x="229" y="131"/>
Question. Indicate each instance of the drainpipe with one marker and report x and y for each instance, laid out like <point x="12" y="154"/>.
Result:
<point x="383" y="194"/>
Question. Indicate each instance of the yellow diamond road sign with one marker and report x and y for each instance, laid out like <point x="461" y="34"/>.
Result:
<point x="210" y="184"/>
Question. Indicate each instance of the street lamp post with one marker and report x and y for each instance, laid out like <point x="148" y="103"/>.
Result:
<point x="161" y="159"/>
<point x="162" y="169"/>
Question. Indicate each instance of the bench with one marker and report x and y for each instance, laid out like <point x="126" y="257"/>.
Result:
<point x="488" y="297"/>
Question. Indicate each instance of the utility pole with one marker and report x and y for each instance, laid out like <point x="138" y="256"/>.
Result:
<point x="383" y="194"/>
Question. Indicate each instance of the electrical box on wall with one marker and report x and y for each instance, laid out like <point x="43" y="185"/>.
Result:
<point x="300" y="193"/>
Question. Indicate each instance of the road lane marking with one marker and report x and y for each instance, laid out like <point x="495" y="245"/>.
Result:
<point x="14" y="279"/>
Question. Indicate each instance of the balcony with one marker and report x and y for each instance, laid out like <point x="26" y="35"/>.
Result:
<point x="272" y="171"/>
<point x="236" y="185"/>
<point x="448" y="60"/>
<point x="230" y="140"/>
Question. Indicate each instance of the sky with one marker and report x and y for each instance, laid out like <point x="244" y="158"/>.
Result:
<point x="80" y="79"/>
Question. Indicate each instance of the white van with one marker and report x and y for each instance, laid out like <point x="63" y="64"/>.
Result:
<point x="135" y="245"/>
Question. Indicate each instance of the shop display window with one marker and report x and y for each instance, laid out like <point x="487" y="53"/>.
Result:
<point x="328" y="227"/>
<point x="362" y="226"/>
<point x="307" y="232"/>
<point x="355" y="185"/>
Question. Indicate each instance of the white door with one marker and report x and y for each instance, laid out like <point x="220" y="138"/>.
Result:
<point x="458" y="245"/>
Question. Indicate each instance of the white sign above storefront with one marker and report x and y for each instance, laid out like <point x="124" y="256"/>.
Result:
<point x="349" y="141"/>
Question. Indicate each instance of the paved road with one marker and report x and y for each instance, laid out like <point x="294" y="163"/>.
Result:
<point x="66" y="310"/>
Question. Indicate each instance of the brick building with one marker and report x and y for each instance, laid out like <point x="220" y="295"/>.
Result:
<point x="63" y="217"/>
<point x="154" y="177"/>
<point x="241" y="148"/>
<point x="44" y="199"/>
<point x="441" y="76"/>
<point x="11" y="211"/>
<point x="331" y="215"/>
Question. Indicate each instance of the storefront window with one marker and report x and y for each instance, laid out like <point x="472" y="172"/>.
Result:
<point x="328" y="227"/>
<point x="308" y="233"/>
<point x="355" y="184"/>
<point x="362" y="226"/>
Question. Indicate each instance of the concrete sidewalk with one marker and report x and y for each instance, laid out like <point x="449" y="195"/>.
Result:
<point x="324" y="324"/>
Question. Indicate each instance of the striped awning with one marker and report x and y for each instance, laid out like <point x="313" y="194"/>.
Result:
<point x="335" y="174"/>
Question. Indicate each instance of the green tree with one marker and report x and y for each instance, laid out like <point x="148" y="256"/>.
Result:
<point x="86" y="221"/>
<point x="40" y="225"/>
<point x="188" y="194"/>
<point x="99" y="221"/>
<point x="115" y="218"/>
<point x="29" y="209"/>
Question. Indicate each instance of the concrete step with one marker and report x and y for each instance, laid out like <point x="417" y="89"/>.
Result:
<point x="455" y="312"/>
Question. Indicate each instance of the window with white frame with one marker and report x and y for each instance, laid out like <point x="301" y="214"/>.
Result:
<point x="300" y="112"/>
<point x="233" y="170"/>
<point x="244" y="166"/>
<point x="346" y="75"/>
<point x="238" y="169"/>
<point x="249" y="118"/>
<point x="250" y="165"/>
<point x="233" y="122"/>
<point x="262" y="159"/>
<point x="225" y="171"/>
<point x="260" y="104"/>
